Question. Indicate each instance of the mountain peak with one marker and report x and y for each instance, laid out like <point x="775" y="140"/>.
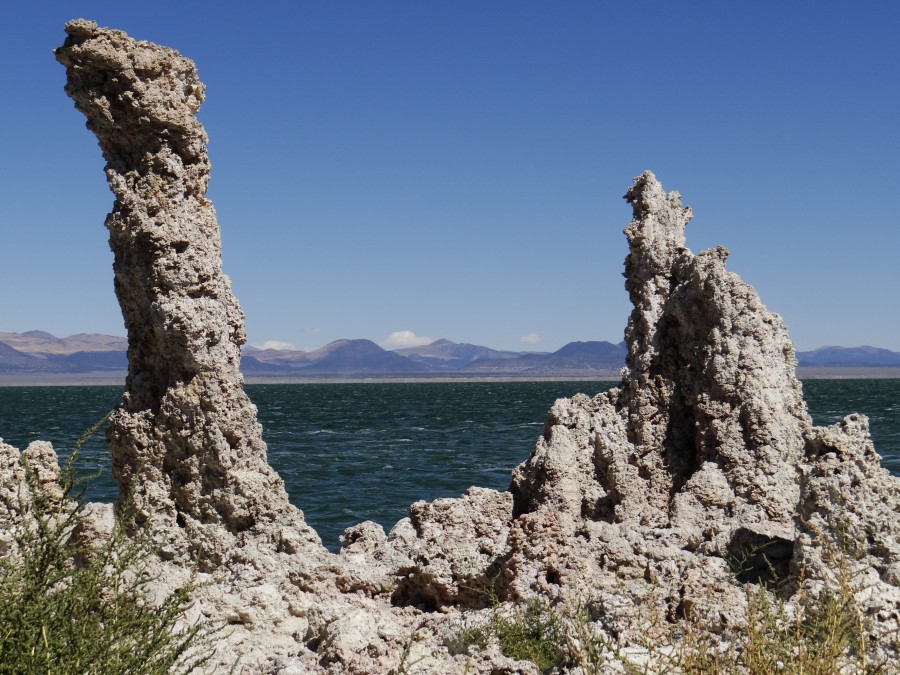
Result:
<point x="38" y="350"/>
<point x="39" y="335"/>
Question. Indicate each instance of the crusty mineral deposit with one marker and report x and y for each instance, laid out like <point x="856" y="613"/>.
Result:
<point x="186" y="447"/>
<point x="698" y="477"/>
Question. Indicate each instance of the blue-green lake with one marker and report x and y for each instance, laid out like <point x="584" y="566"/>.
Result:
<point x="353" y="452"/>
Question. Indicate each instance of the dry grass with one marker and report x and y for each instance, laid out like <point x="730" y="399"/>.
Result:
<point x="821" y="634"/>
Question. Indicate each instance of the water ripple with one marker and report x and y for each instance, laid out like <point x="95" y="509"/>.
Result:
<point x="351" y="452"/>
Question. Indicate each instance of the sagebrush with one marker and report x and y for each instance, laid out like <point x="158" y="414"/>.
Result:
<point x="69" y="607"/>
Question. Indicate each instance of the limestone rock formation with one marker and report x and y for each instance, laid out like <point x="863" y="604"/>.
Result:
<point x="700" y="474"/>
<point x="848" y="525"/>
<point x="16" y="489"/>
<point x="709" y="416"/>
<point x="186" y="447"/>
<point x="478" y="525"/>
<point x="703" y="466"/>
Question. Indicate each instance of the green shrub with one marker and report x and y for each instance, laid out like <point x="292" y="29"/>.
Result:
<point x="534" y="633"/>
<point x="69" y="608"/>
<point x="529" y="632"/>
<point x="828" y="636"/>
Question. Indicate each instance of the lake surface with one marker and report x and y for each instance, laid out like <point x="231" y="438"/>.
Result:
<point x="354" y="452"/>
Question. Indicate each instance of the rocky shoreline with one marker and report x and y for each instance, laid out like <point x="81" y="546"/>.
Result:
<point x="672" y="500"/>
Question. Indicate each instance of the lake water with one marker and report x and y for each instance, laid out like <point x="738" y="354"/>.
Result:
<point x="353" y="452"/>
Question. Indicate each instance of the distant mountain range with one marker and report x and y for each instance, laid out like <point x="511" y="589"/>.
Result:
<point x="364" y="357"/>
<point x="858" y="357"/>
<point x="40" y="353"/>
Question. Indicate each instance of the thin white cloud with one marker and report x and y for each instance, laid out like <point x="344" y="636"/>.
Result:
<point x="405" y="338"/>
<point x="275" y="344"/>
<point x="530" y="339"/>
<point x="314" y="329"/>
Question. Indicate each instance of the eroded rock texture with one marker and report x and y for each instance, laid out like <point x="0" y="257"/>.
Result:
<point x="709" y="418"/>
<point x="691" y="462"/>
<point x="700" y="474"/>
<point x="185" y="443"/>
<point x="16" y="488"/>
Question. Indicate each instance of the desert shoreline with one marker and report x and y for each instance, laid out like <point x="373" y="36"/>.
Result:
<point x="118" y="378"/>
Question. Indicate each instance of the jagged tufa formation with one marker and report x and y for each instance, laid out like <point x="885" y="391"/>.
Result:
<point x="185" y="442"/>
<point x="664" y="497"/>
<point x="700" y="469"/>
<point x="709" y="414"/>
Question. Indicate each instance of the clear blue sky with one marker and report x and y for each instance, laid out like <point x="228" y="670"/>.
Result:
<point x="455" y="169"/>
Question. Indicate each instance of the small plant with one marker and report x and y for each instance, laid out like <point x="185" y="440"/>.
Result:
<point x="407" y="662"/>
<point x="825" y="634"/>
<point x="586" y="648"/>
<point x="828" y="634"/>
<point x="534" y="633"/>
<point x="70" y="608"/>
<point x="530" y="632"/>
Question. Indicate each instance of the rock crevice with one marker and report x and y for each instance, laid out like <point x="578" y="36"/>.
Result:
<point x="633" y="503"/>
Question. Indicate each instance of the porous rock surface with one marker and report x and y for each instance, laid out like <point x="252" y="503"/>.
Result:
<point x="700" y="473"/>
<point x="185" y="443"/>
<point x="16" y="496"/>
<point x="634" y="504"/>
